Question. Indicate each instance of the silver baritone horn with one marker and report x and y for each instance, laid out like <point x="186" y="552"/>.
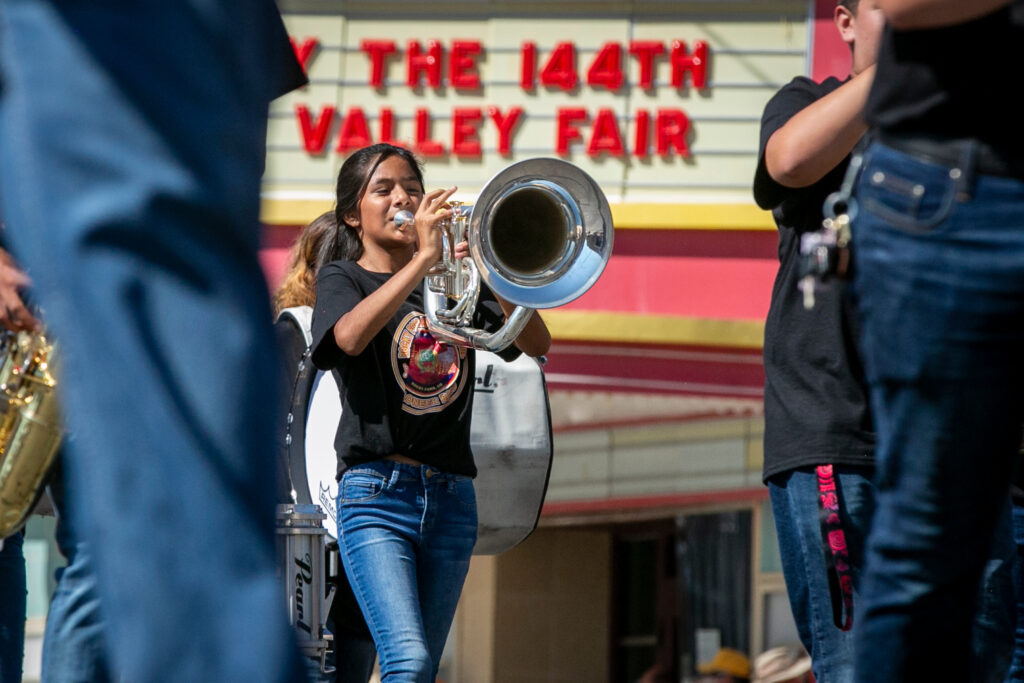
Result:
<point x="540" y="234"/>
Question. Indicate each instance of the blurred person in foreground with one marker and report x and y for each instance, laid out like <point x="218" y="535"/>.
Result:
<point x="938" y="245"/>
<point x="132" y="142"/>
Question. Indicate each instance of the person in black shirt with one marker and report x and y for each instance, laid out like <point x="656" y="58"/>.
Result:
<point x="816" y="404"/>
<point x="938" y="244"/>
<point x="406" y="507"/>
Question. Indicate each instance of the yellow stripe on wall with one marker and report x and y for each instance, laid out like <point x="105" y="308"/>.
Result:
<point x="691" y="217"/>
<point x="653" y="329"/>
<point x="292" y="211"/>
<point x="625" y="216"/>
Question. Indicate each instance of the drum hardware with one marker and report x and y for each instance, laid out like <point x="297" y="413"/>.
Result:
<point x="30" y="423"/>
<point x="304" y="564"/>
<point x="540" y="234"/>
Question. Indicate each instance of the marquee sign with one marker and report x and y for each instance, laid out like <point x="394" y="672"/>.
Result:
<point x="660" y="104"/>
<point x="436" y="65"/>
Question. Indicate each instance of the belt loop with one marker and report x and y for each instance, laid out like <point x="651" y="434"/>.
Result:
<point x="967" y="168"/>
<point x="396" y="472"/>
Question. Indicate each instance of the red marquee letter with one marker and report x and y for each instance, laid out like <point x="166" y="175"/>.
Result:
<point x="505" y="126"/>
<point x="605" y="137"/>
<point x="645" y="52"/>
<point x="417" y="63"/>
<point x="314" y="136"/>
<point x="696" y="64"/>
<point x="642" y="132"/>
<point x="560" y="70"/>
<point x="462" y="64"/>
<point x="387" y="125"/>
<point x="606" y="68"/>
<point x="465" y="133"/>
<point x="378" y="51"/>
<point x="354" y="131"/>
<point x="304" y="50"/>
<point x="424" y="145"/>
<point x="528" y="66"/>
<point x="566" y="128"/>
<point x="672" y="126"/>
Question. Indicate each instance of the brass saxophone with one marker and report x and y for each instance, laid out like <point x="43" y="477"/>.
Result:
<point x="30" y="424"/>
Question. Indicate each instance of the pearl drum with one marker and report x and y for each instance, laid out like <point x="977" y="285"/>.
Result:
<point x="303" y="559"/>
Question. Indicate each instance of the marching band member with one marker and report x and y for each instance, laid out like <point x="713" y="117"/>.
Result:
<point x="406" y="507"/>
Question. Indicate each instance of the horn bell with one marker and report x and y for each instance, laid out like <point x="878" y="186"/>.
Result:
<point x="542" y="232"/>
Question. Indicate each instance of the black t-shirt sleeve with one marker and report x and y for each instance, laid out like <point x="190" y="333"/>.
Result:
<point x="337" y="293"/>
<point x="791" y="99"/>
<point x="489" y="317"/>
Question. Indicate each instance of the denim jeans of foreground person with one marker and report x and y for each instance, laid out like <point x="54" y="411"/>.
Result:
<point x="74" y="650"/>
<point x="407" y="534"/>
<point x="794" y="497"/>
<point x="132" y="140"/>
<point x="939" y="276"/>
<point x="12" y="608"/>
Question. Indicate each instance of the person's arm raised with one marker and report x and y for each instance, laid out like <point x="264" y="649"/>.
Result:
<point x="818" y="137"/>
<point x="355" y="329"/>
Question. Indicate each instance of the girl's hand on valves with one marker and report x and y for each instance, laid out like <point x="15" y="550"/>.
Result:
<point x="432" y="210"/>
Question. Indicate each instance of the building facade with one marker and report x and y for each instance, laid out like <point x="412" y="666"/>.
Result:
<point x="655" y="544"/>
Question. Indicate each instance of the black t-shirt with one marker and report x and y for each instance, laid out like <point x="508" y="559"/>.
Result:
<point x="954" y="81"/>
<point x="815" y="398"/>
<point x="406" y="393"/>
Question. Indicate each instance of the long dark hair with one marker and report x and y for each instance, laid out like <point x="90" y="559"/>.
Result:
<point x="353" y="178"/>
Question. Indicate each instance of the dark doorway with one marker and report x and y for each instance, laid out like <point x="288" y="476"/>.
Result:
<point x="677" y="585"/>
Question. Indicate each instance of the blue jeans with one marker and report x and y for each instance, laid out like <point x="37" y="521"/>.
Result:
<point x="940" y="287"/>
<point x="407" y="534"/>
<point x="129" y="178"/>
<point x="795" y="506"/>
<point x="12" y="608"/>
<point x="74" y="648"/>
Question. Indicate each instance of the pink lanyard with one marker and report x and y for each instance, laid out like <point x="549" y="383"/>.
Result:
<point x="837" y="557"/>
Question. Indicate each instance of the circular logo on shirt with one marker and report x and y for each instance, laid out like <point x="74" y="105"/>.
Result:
<point x="428" y="370"/>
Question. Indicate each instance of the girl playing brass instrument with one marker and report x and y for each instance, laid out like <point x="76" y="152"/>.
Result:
<point x="406" y="506"/>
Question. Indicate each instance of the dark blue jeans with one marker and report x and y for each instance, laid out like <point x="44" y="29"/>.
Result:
<point x="406" y="535"/>
<point x="132" y="142"/>
<point x="940" y="284"/>
<point x="12" y="608"/>
<point x="74" y="647"/>
<point x="795" y="506"/>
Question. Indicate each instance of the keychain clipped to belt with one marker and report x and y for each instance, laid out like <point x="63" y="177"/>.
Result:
<point x="825" y="253"/>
